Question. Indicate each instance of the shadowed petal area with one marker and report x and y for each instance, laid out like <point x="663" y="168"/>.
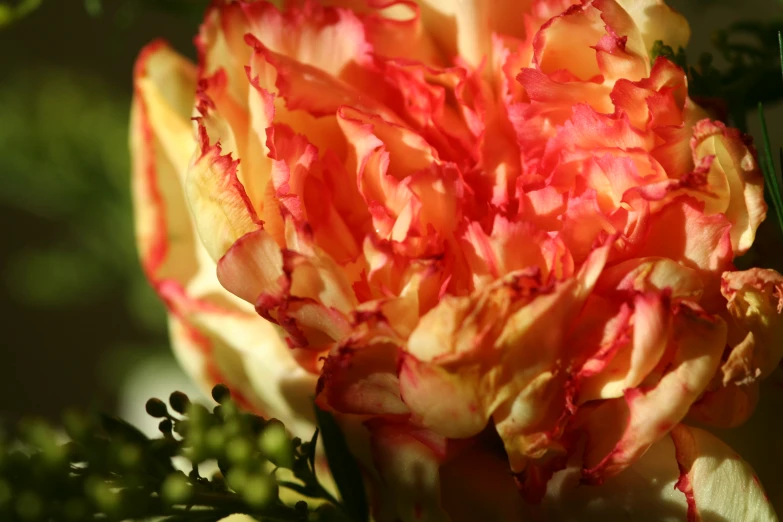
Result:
<point x="688" y="475"/>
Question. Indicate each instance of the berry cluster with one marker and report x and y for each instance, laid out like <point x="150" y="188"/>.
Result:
<point x="102" y="468"/>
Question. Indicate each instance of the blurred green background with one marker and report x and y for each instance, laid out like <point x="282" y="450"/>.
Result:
<point x="77" y="314"/>
<point x="80" y="325"/>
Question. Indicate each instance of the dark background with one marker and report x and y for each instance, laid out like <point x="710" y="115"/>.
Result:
<point x="80" y="327"/>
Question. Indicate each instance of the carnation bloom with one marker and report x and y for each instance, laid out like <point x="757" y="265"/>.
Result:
<point x="497" y="239"/>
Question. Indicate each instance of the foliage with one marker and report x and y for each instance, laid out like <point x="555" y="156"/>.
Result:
<point x="751" y="73"/>
<point x="11" y="12"/>
<point x="106" y="469"/>
<point x="771" y="178"/>
<point x="61" y="140"/>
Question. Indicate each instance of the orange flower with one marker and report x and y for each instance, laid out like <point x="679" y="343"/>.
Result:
<point x="500" y="238"/>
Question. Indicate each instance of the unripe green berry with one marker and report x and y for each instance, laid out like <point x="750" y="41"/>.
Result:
<point x="157" y="408"/>
<point x="215" y="440"/>
<point x="238" y="451"/>
<point x="179" y="402"/>
<point x="228" y="410"/>
<point x="198" y="416"/>
<point x="221" y="393"/>
<point x="6" y="493"/>
<point x="236" y="479"/>
<point x="176" y="489"/>
<point x="102" y="495"/>
<point x="75" y="510"/>
<point x="259" y="491"/>
<point x="129" y="456"/>
<point x="29" y="506"/>
<point x="165" y="426"/>
<point x="76" y="424"/>
<point x="276" y="446"/>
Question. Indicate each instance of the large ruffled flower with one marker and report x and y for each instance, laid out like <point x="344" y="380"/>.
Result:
<point x="499" y="236"/>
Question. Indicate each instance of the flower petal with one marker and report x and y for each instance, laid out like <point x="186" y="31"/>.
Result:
<point x="722" y="486"/>
<point x="716" y="481"/>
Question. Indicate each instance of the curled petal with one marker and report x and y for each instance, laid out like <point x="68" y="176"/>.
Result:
<point x="456" y="372"/>
<point x="720" y="486"/>
<point x="162" y="143"/>
<point x="407" y="461"/>
<point x="755" y="303"/>
<point x="215" y="337"/>
<point x="651" y="413"/>
<point x="716" y="481"/>
<point x="219" y="343"/>
<point x="220" y="206"/>
<point x="360" y="377"/>
<point x="654" y="20"/>
<point x="734" y="180"/>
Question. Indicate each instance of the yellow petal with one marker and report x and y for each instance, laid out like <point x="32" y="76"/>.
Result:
<point x="716" y="481"/>
<point x="464" y="27"/>
<point x="162" y="144"/>
<point x="657" y="21"/>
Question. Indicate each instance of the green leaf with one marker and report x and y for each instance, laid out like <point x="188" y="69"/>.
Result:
<point x="94" y="7"/>
<point x="345" y="470"/>
<point x="299" y="488"/>
<point x="12" y="13"/>
<point x="311" y="450"/>
<point x="768" y="169"/>
<point x="120" y="428"/>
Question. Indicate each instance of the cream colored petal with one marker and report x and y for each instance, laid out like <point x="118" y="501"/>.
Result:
<point x="218" y="342"/>
<point x="220" y="206"/>
<point x="460" y="28"/>
<point x="755" y="303"/>
<point x="464" y="28"/>
<point x="718" y="484"/>
<point x="215" y="336"/>
<point x="162" y="142"/>
<point x="724" y="487"/>
<point x="657" y="21"/>
<point x="238" y="518"/>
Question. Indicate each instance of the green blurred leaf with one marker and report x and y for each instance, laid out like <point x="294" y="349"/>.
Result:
<point x="63" y="139"/>
<point x="11" y="12"/>
<point x="345" y="470"/>
<point x="55" y="277"/>
<point x="768" y="169"/>
<point x="94" y="7"/>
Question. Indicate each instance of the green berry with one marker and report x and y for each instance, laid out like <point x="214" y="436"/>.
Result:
<point x="275" y="445"/>
<point x="176" y="489"/>
<point x="165" y="426"/>
<point x="6" y="493"/>
<point x="157" y="408"/>
<point x="215" y="440"/>
<point x="77" y="425"/>
<point x="179" y="402"/>
<point x="29" y="506"/>
<point x="239" y="451"/>
<point x="102" y="495"/>
<point x="221" y="393"/>
<point x="198" y="416"/>
<point x="129" y="456"/>
<point x="236" y="479"/>
<point x="75" y="509"/>
<point x="259" y="491"/>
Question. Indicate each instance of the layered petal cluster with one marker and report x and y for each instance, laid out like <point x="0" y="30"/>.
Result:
<point x="496" y="238"/>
